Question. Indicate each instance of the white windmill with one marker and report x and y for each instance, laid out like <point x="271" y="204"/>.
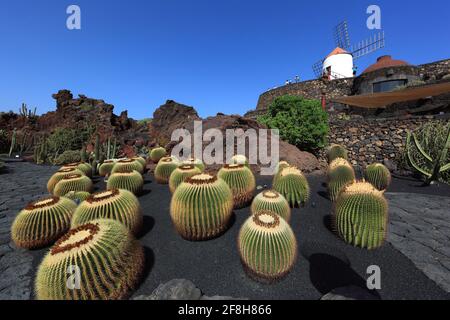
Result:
<point x="340" y="62"/>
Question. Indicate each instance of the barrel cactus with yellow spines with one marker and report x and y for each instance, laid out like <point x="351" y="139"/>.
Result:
<point x="378" y="175"/>
<point x="115" y="204"/>
<point x="141" y="160"/>
<point x="127" y="165"/>
<point x="180" y="174"/>
<point x="157" y="153"/>
<point x="42" y="222"/>
<point x="196" y="162"/>
<point x="105" y="260"/>
<point x="240" y="159"/>
<point x="201" y="207"/>
<point x="59" y="175"/>
<point x="361" y="215"/>
<point x="340" y="173"/>
<point x="164" y="169"/>
<point x="85" y="167"/>
<point x="337" y="151"/>
<point x="77" y="196"/>
<point x="271" y="200"/>
<point x="280" y="166"/>
<point x="293" y="185"/>
<point x="73" y="182"/>
<point x="241" y="181"/>
<point x="131" y="181"/>
<point x="106" y="167"/>
<point x="267" y="246"/>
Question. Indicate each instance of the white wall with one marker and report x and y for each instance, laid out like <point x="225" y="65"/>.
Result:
<point x="341" y="66"/>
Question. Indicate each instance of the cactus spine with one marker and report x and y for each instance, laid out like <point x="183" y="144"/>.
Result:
<point x="59" y="175"/>
<point x="180" y="174"/>
<point x="337" y="151"/>
<point x="241" y="181"/>
<point x="378" y="175"/>
<point x="157" y="153"/>
<point x="272" y="201"/>
<point x="42" y="222"/>
<point x="116" y="204"/>
<point x="73" y="182"/>
<point x="164" y="169"/>
<point x="83" y="166"/>
<point x="196" y="162"/>
<point x="293" y="185"/>
<point x="127" y="165"/>
<point x="281" y="165"/>
<point x="109" y="259"/>
<point x="267" y="246"/>
<point x="131" y="181"/>
<point x="340" y="173"/>
<point x="201" y="207"/>
<point x="106" y="168"/>
<point x="240" y="159"/>
<point x="141" y="160"/>
<point x="361" y="215"/>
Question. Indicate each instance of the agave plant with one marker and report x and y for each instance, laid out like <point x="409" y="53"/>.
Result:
<point x="241" y="181"/>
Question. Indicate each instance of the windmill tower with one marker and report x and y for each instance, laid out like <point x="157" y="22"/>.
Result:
<point x="340" y="62"/>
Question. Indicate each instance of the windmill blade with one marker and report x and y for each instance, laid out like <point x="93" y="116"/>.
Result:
<point x="369" y="45"/>
<point x="341" y="37"/>
<point x="317" y="68"/>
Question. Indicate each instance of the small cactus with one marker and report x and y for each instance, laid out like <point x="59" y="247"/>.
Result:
<point x="106" y="167"/>
<point x="241" y="181"/>
<point x="109" y="260"/>
<point x="131" y="181"/>
<point x="270" y="200"/>
<point x="240" y="159"/>
<point x="85" y="167"/>
<point x="280" y="166"/>
<point x="157" y="153"/>
<point x="43" y="222"/>
<point x="196" y="162"/>
<point x="340" y="173"/>
<point x="73" y="182"/>
<point x="59" y="175"/>
<point x="267" y="246"/>
<point x="361" y="215"/>
<point x="180" y="174"/>
<point x="201" y="207"/>
<point x="127" y="165"/>
<point x="336" y="151"/>
<point x="378" y="175"/>
<point x="293" y="185"/>
<point x="116" y="204"/>
<point x="164" y="169"/>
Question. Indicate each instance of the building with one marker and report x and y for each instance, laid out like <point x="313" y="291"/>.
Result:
<point x="338" y="65"/>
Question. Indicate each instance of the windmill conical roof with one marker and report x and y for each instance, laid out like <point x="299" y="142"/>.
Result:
<point x="337" y="51"/>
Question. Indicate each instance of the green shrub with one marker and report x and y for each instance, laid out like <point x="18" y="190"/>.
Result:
<point x="301" y="122"/>
<point x="67" y="157"/>
<point x="66" y="139"/>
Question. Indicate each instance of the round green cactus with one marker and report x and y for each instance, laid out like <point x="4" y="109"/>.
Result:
<point x="116" y="204"/>
<point x="106" y="167"/>
<point x="164" y="169"/>
<point x="100" y="260"/>
<point x="77" y="196"/>
<point x="196" y="162"/>
<point x="270" y="200"/>
<point x="201" y="207"/>
<point x="340" y="173"/>
<point x="361" y="215"/>
<point x="42" y="222"/>
<point x="157" y="153"/>
<point x="73" y="182"/>
<point x="127" y="165"/>
<point x="180" y="174"/>
<point x="131" y="181"/>
<point x="86" y="168"/>
<point x="141" y="160"/>
<point x="240" y="159"/>
<point x="293" y="185"/>
<point x="59" y="175"/>
<point x="241" y="181"/>
<point x="378" y="175"/>
<point x="267" y="246"/>
<point x="337" y="151"/>
<point x="280" y="166"/>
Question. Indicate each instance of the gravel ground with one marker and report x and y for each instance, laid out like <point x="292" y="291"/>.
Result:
<point x="324" y="261"/>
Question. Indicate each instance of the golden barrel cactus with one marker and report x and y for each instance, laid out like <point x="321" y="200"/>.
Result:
<point x="293" y="185"/>
<point x="164" y="169"/>
<point x="241" y="181"/>
<point x="378" y="175"/>
<point x="271" y="200"/>
<point x="127" y="165"/>
<point x="180" y="174"/>
<point x="59" y="175"/>
<point x="131" y="181"/>
<point x="73" y="182"/>
<point x="85" y="167"/>
<point x="106" y="167"/>
<point x="157" y="153"/>
<point x="340" y="173"/>
<point x="196" y="162"/>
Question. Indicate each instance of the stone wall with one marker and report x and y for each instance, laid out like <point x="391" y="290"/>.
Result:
<point x="435" y="70"/>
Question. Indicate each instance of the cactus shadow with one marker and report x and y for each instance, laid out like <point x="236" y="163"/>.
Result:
<point x="149" y="263"/>
<point x="147" y="225"/>
<point x="144" y="192"/>
<point x="329" y="223"/>
<point x="324" y="195"/>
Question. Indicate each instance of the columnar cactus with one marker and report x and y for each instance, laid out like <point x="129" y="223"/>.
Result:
<point x="59" y="175"/>
<point x="157" y="153"/>
<point x="127" y="165"/>
<point x="164" y="169"/>
<point x="378" y="175"/>
<point x="77" y="196"/>
<point x="293" y="185"/>
<point x="337" y="151"/>
<point x="83" y="166"/>
<point x="280" y="166"/>
<point x="241" y="181"/>
<point x="100" y="260"/>
<point x="196" y="162"/>
<point x="267" y="246"/>
<point x="131" y="181"/>
<point x="340" y="173"/>
<point x="201" y="207"/>
<point x="116" y="204"/>
<point x="43" y="222"/>
<point x="73" y="182"/>
<point x="180" y="174"/>
<point x="106" y="167"/>
<point x="270" y="200"/>
<point x="361" y="215"/>
<point x="240" y="159"/>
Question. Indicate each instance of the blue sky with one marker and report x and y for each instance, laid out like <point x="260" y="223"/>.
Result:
<point x="216" y="55"/>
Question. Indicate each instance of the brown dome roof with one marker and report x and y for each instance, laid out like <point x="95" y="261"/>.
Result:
<point x="386" y="62"/>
